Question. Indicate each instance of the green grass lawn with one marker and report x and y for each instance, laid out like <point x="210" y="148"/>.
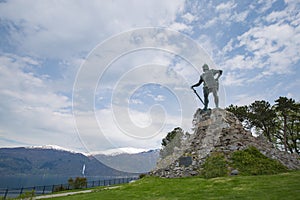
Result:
<point x="280" y="186"/>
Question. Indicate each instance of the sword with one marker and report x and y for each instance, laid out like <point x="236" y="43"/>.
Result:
<point x="198" y="96"/>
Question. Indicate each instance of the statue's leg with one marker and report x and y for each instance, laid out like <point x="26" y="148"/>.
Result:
<point x="205" y="93"/>
<point x="216" y="97"/>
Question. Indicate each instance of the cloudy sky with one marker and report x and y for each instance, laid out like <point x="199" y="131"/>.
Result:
<point x="96" y="75"/>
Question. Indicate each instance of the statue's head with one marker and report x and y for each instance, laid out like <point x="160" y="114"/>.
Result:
<point x="205" y="67"/>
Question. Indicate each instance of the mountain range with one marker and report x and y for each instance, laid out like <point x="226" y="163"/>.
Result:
<point x="54" y="161"/>
<point x="135" y="163"/>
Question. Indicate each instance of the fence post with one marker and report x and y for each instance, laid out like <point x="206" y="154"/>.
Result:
<point x="5" y="195"/>
<point x="44" y="189"/>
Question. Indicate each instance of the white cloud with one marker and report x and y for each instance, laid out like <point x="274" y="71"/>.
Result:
<point x="233" y="79"/>
<point x="207" y="44"/>
<point x="246" y="99"/>
<point x="180" y="27"/>
<point x="226" y="6"/>
<point x="153" y="126"/>
<point x="159" y="98"/>
<point x="30" y="110"/>
<point x="272" y="47"/>
<point x="136" y="101"/>
<point x="240" y="17"/>
<point x="210" y="23"/>
<point x="264" y="5"/>
<point x="67" y="28"/>
<point x="152" y="129"/>
<point x="243" y="62"/>
<point x="224" y="15"/>
<point x="188" y="17"/>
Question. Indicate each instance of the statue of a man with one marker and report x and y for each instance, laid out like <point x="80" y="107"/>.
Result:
<point x="211" y="84"/>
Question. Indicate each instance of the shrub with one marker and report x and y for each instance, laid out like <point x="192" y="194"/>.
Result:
<point x="71" y="183"/>
<point x="214" y="166"/>
<point x="79" y="182"/>
<point x="59" y="188"/>
<point x="142" y="176"/>
<point x="251" y="162"/>
<point x="27" y="195"/>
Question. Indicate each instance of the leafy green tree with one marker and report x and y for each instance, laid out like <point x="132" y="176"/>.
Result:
<point x="172" y="140"/>
<point x="279" y="123"/>
<point x="288" y="113"/>
<point x="293" y="128"/>
<point x="263" y="118"/>
<point x="242" y="113"/>
<point x="170" y="136"/>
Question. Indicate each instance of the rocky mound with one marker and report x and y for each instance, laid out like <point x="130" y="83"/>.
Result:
<point x="215" y="131"/>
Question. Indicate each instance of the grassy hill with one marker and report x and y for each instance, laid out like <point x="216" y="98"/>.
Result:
<point x="280" y="186"/>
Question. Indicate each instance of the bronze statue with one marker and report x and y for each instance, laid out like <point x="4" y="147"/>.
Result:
<point x="211" y="84"/>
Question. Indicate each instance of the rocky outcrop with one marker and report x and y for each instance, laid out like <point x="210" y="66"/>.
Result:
<point x="216" y="130"/>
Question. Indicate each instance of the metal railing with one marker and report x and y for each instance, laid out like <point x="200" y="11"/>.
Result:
<point x="48" y="189"/>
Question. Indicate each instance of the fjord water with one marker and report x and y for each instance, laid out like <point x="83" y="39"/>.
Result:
<point x="41" y="180"/>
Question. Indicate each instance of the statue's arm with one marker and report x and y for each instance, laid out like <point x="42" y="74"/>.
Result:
<point x="220" y="72"/>
<point x="197" y="84"/>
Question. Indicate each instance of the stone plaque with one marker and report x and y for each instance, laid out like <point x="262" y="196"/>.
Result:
<point x="185" y="161"/>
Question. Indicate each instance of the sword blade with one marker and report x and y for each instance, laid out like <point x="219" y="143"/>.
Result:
<point x="198" y="96"/>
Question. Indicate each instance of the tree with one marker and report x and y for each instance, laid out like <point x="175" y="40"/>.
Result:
<point x="280" y="123"/>
<point x="242" y="113"/>
<point x="262" y="117"/>
<point x="293" y="128"/>
<point x="172" y="140"/>
<point x="288" y="116"/>
<point x="170" y="136"/>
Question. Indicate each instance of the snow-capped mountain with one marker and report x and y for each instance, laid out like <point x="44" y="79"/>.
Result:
<point x="53" y="147"/>
<point x="108" y="152"/>
<point x="118" y="151"/>
<point x="140" y="162"/>
<point x="51" y="160"/>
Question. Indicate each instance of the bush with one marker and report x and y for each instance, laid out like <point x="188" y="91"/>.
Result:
<point x="27" y="195"/>
<point x="214" y="166"/>
<point x="142" y="176"/>
<point x="59" y="188"/>
<point x="251" y="162"/>
<point x="79" y="182"/>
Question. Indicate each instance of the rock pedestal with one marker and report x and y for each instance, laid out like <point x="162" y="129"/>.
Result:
<point x="216" y="130"/>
